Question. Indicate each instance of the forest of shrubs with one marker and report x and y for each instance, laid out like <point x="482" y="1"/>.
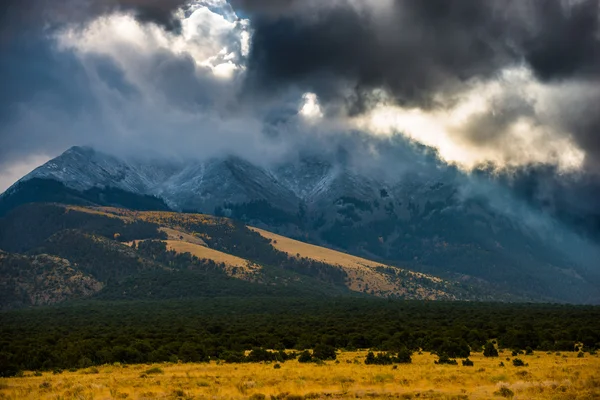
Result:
<point x="94" y="333"/>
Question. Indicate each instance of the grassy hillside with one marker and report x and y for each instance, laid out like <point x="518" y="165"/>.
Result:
<point x="155" y="254"/>
<point x="366" y="275"/>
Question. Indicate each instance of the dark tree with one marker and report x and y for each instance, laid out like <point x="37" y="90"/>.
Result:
<point x="490" y="350"/>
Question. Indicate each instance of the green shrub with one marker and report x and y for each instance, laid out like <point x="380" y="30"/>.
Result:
<point x="155" y="370"/>
<point x="490" y="350"/>
<point x="467" y="363"/>
<point x="404" y="356"/>
<point x="517" y="362"/>
<point x="305" y="357"/>
<point x="504" y="392"/>
<point x="444" y="359"/>
<point x="45" y="385"/>
<point x="324" y="352"/>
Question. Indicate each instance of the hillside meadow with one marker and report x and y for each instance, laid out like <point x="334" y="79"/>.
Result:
<point x="549" y="375"/>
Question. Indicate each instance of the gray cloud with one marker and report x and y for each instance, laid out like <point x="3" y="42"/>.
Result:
<point x="416" y="50"/>
<point x="426" y="54"/>
<point x="29" y="14"/>
<point x="153" y="98"/>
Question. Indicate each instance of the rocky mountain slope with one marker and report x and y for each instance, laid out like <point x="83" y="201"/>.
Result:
<point x="41" y="280"/>
<point x="432" y="219"/>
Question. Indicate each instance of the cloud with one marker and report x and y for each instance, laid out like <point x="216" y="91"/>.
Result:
<point x="508" y="123"/>
<point x="127" y="86"/>
<point x="10" y="174"/>
<point x="430" y="56"/>
<point x="505" y="86"/>
<point x="33" y="14"/>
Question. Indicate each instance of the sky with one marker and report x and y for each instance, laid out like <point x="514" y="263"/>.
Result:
<point x="511" y="87"/>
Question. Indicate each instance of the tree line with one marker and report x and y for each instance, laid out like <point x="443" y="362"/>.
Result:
<point x="95" y="333"/>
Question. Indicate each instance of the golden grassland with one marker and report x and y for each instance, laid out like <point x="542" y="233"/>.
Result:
<point x="234" y="266"/>
<point x="361" y="272"/>
<point x="182" y="236"/>
<point x="547" y="376"/>
<point x="294" y="247"/>
<point x="168" y="218"/>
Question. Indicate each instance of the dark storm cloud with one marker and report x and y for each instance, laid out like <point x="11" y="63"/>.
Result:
<point x="265" y="6"/>
<point x="33" y="74"/>
<point x="416" y="49"/>
<point x="17" y="15"/>
<point x="565" y="41"/>
<point x="426" y="53"/>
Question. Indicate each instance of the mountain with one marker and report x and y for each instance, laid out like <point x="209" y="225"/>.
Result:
<point x="431" y="219"/>
<point x="54" y="253"/>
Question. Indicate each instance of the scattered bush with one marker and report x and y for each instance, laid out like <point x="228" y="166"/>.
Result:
<point x="155" y="370"/>
<point x="305" y="357"/>
<point x="402" y="357"/>
<point x="444" y="359"/>
<point x="324" y="352"/>
<point x="467" y="363"/>
<point x="504" y="392"/>
<point x="179" y="394"/>
<point x="45" y="385"/>
<point x="490" y="350"/>
<point x="453" y="348"/>
<point x="517" y="362"/>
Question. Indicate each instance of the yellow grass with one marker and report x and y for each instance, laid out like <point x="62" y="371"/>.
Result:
<point x="360" y="271"/>
<point x="546" y="377"/>
<point x="179" y="235"/>
<point x="234" y="266"/>
<point x="168" y="218"/>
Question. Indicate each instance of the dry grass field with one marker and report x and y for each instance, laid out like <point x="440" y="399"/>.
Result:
<point x="362" y="273"/>
<point x="234" y="266"/>
<point x="547" y="376"/>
